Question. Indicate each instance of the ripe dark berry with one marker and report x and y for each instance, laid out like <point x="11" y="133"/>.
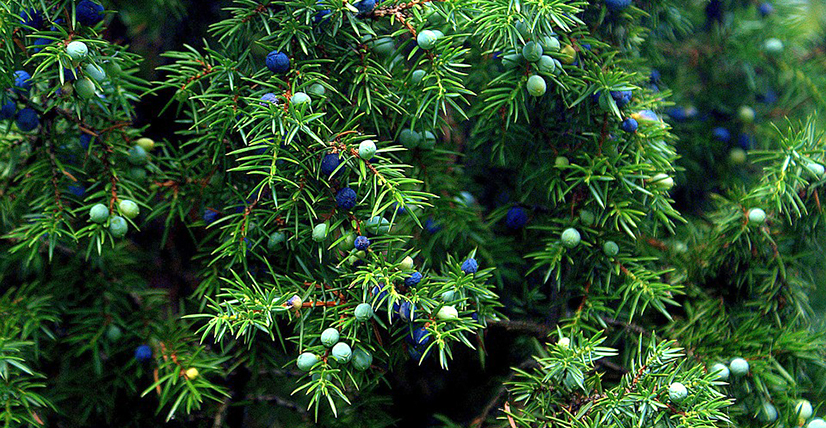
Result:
<point x="365" y="6"/>
<point x="7" y="110"/>
<point x="470" y="266"/>
<point x="32" y="18"/>
<point x="621" y="97"/>
<point x="420" y="337"/>
<point x="516" y="218"/>
<point x="268" y="98"/>
<point x="629" y="125"/>
<point x="143" y="353"/>
<point x="346" y="198"/>
<point x="765" y="9"/>
<point x="329" y="163"/>
<point x="27" y="120"/>
<point x="89" y="13"/>
<point x="210" y="215"/>
<point x="721" y="134"/>
<point x="362" y="243"/>
<point x="278" y="62"/>
<point x="22" y="81"/>
<point x="617" y="5"/>
<point x="407" y="311"/>
<point x="413" y="280"/>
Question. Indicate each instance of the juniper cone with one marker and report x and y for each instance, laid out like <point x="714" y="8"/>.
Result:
<point x="570" y="214"/>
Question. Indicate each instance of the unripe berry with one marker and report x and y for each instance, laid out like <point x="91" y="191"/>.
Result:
<point x="362" y="360"/>
<point x="342" y="353"/>
<point x="803" y="409"/>
<point x="77" y="50"/>
<point x="99" y="213"/>
<point x="773" y="46"/>
<point x="378" y="225"/>
<point x="512" y="60"/>
<point x="737" y="156"/>
<point x="85" y="88"/>
<point x="746" y="114"/>
<point x="317" y="89"/>
<point x="816" y="423"/>
<point x="815" y="168"/>
<point x="739" y="367"/>
<point x="300" y="98"/>
<point x="564" y="342"/>
<point x="409" y="138"/>
<point x="329" y="337"/>
<point x="138" y="156"/>
<point x="677" y="392"/>
<point x="721" y="370"/>
<point x="384" y="46"/>
<point x="536" y="85"/>
<point x="118" y="226"/>
<point x="768" y="413"/>
<point x="546" y="64"/>
<point x="128" y="208"/>
<point x="757" y="216"/>
<point x="532" y="51"/>
<point x="426" y="39"/>
<point x="146" y="143"/>
<point x="610" y="248"/>
<point x="561" y="161"/>
<point x="447" y="313"/>
<point x="95" y="72"/>
<point x="276" y="240"/>
<point x="568" y="54"/>
<point x="367" y="149"/>
<point x="570" y="237"/>
<point x="661" y="181"/>
<point x="191" y="373"/>
<point x="406" y="263"/>
<point x="306" y="361"/>
<point x="417" y="76"/>
<point x="428" y="141"/>
<point x="363" y="312"/>
<point x="319" y="232"/>
<point x="549" y="44"/>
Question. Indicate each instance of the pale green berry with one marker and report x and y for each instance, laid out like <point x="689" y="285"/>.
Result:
<point x="363" y="312"/>
<point x="561" y="161"/>
<point x="95" y="72"/>
<point x="409" y="138"/>
<point x="85" y="88"/>
<point x="757" y="216"/>
<point x="610" y="248"/>
<point x="536" y="85"/>
<point x="564" y="342"/>
<point x="342" y="353"/>
<point x="378" y="225"/>
<point x="570" y="237"/>
<point x="406" y="264"/>
<point x="426" y="39"/>
<point x="306" y="361"/>
<point x="348" y="242"/>
<point x="77" y="50"/>
<point x="721" y="370"/>
<point x="317" y="89"/>
<point x="568" y="54"/>
<point x="300" y="98"/>
<point x="739" y="367"/>
<point x="137" y="155"/>
<point x="428" y="140"/>
<point x="549" y="44"/>
<point x="146" y="143"/>
<point x="746" y="114"/>
<point x="329" y="337"/>
<point x="816" y="423"/>
<point x="511" y="60"/>
<point x="118" y="226"/>
<point x="662" y="181"/>
<point x="275" y="241"/>
<point x="803" y="409"/>
<point x="417" y="76"/>
<point x="546" y="64"/>
<point x="815" y="168"/>
<point x="384" y="46"/>
<point x="773" y="46"/>
<point x="362" y="360"/>
<point x="99" y="213"/>
<point x="768" y="413"/>
<point x="128" y="208"/>
<point x="677" y="392"/>
<point x="587" y="217"/>
<point x="447" y="313"/>
<point x="532" y="51"/>
<point x="449" y="296"/>
<point x="320" y="232"/>
<point x="367" y="149"/>
<point x="737" y="156"/>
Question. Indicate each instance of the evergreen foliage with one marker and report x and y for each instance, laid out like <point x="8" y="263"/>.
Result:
<point x="354" y="191"/>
